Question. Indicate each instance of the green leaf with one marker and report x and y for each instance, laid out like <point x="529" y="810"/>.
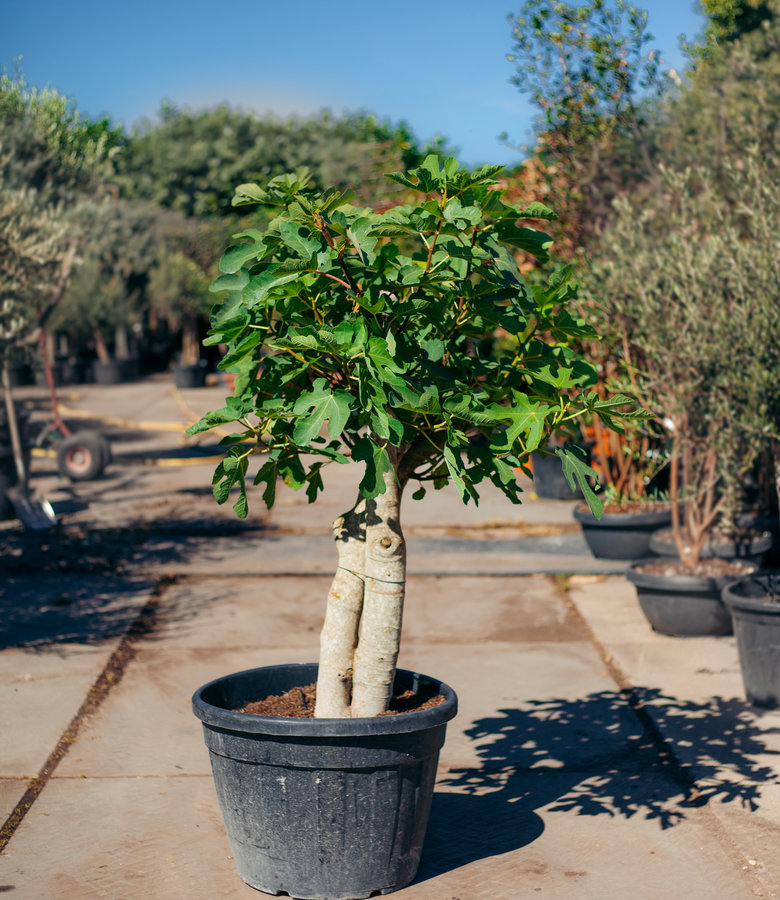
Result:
<point x="261" y="284"/>
<point x="326" y="406"/>
<point x="577" y="470"/>
<point x="242" y="349"/>
<point x="333" y="199"/>
<point x="212" y="419"/>
<point x="537" y="243"/>
<point x="221" y="490"/>
<point x="526" y="417"/>
<point x="377" y="464"/>
<point x="295" y="236"/>
<point x="233" y="281"/>
<point x="401" y="179"/>
<point x="455" y="468"/>
<point x="249" y="193"/>
<point x="361" y="239"/>
<point x="537" y="210"/>
<point x="235" y="257"/>
<point x="241" y="506"/>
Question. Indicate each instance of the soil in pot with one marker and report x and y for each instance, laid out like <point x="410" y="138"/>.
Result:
<point x="299" y="702"/>
<point x="685" y="602"/>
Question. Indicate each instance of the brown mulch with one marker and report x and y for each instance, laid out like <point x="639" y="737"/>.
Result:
<point x="633" y="506"/>
<point x="712" y="567"/>
<point x="299" y="703"/>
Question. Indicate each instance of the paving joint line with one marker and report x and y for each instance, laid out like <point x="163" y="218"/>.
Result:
<point x="110" y="676"/>
<point x="680" y="773"/>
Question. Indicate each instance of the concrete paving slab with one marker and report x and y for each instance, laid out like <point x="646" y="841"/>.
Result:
<point x="78" y="842"/>
<point x="545" y="852"/>
<point x="11" y="792"/>
<point x="40" y="692"/>
<point x="692" y="689"/>
<point x="269" y="611"/>
<point x="146" y="726"/>
<point x="273" y="553"/>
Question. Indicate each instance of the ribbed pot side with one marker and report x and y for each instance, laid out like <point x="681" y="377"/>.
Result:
<point x="322" y="809"/>
<point x="684" y="605"/>
<point x="621" y="535"/>
<point x="755" y="607"/>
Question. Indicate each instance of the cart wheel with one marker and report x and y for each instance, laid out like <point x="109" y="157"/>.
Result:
<point x="80" y="457"/>
<point x="6" y="507"/>
<point x="102" y="440"/>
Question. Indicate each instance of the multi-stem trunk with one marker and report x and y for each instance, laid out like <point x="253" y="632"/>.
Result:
<point x="383" y="602"/>
<point x="339" y="635"/>
<point x="362" y="630"/>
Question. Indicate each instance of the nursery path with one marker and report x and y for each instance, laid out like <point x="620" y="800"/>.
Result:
<point x="591" y="758"/>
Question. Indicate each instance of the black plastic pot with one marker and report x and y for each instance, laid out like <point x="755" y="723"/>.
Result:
<point x="41" y="378"/>
<point x="549" y="481"/>
<point x="621" y="535"/>
<point x="751" y="549"/>
<point x="684" y="605"/>
<point x="321" y="808"/>
<point x="110" y="371"/>
<point x="193" y="376"/>
<point x="754" y="603"/>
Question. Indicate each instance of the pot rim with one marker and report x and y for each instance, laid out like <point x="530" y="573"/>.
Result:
<point x="622" y="519"/>
<point x="763" y="583"/>
<point x="231" y="720"/>
<point x="689" y="583"/>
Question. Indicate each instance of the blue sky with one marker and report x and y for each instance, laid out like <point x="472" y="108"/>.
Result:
<point x="440" y="66"/>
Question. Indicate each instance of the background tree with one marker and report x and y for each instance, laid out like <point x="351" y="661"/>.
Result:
<point x="107" y="294"/>
<point x="51" y="162"/>
<point x="190" y="161"/>
<point x="588" y="71"/>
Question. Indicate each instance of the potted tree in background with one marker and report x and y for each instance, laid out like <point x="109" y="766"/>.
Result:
<point x="754" y="601"/>
<point x="104" y="303"/>
<point x="669" y="281"/>
<point x="179" y="286"/>
<point x="357" y="338"/>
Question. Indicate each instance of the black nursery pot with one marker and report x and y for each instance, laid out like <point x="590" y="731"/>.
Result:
<point x="755" y="607"/>
<point x="621" y="535"/>
<point x="322" y="809"/>
<point x="112" y="371"/>
<point x="549" y="481"/>
<point x="191" y="376"/>
<point x="685" y="605"/>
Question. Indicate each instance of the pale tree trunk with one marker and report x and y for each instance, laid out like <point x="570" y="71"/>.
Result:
<point x="339" y="635"/>
<point x="383" y="600"/>
<point x="121" y="344"/>
<point x="190" y="345"/>
<point x="100" y="346"/>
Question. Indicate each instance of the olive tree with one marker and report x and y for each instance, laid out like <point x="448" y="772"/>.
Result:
<point x="357" y="338"/>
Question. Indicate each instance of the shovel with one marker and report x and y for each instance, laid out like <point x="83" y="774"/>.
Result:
<point x="36" y="515"/>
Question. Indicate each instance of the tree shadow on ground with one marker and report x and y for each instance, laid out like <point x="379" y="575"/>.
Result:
<point x="601" y="755"/>
<point x="85" y="584"/>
